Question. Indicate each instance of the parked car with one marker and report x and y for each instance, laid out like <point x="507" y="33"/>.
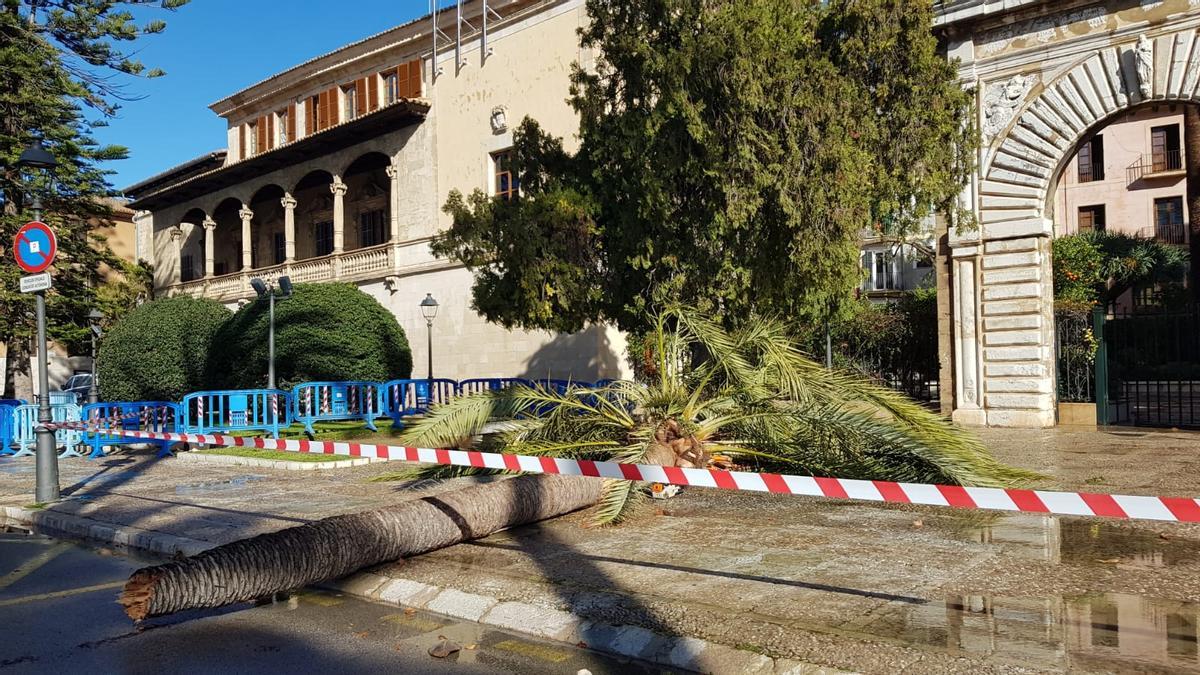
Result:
<point x="79" y="384"/>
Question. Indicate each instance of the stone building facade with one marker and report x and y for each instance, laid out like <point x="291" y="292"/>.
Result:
<point x="1047" y="75"/>
<point x="336" y="170"/>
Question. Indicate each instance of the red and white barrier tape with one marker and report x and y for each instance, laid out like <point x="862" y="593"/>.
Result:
<point x="1178" y="509"/>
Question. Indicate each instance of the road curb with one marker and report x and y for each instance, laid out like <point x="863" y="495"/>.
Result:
<point x="77" y="527"/>
<point x="232" y="460"/>
<point x="552" y="624"/>
<point x="630" y="641"/>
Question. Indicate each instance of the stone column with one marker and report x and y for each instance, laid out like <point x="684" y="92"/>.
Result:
<point x="210" y="226"/>
<point x="393" y="173"/>
<point x="247" y="246"/>
<point x="338" y="188"/>
<point x="289" y="227"/>
<point x="177" y="250"/>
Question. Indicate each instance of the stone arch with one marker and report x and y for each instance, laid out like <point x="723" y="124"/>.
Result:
<point x="368" y="200"/>
<point x="314" y="213"/>
<point x="191" y="244"/>
<point x="1033" y="147"/>
<point x="267" y="226"/>
<point x="227" y="236"/>
<point x="1001" y="277"/>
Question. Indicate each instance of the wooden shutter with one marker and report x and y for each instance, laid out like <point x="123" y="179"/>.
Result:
<point x="414" y="79"/>
<point x="242" y="142"/>
<point x="271" y="135"/>
<point x="402" y="80"/>
<point x="372" y="92"/>
<point x="263" y="136"/>
<point x="310" y="116"/>
<point x="290" y="126"/>
<point x="360" y="96"/>
<point x="331" y="108"/>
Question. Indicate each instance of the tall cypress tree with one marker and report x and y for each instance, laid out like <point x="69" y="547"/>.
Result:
<point x="732" y="153"/>
<point x="62" y="75"/>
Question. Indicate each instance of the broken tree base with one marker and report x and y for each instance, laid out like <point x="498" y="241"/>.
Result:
<point x="334" y="547"/>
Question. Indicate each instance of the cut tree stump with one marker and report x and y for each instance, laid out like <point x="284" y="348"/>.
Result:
<point x="333" y="547"/>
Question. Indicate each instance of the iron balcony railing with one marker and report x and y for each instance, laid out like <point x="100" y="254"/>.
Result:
<point x="1165" y="163"/>
<point x="1091" y="172"/>
<point x="1171" y="233"/>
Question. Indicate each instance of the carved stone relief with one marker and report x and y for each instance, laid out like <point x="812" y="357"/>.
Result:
<point x="1000" y="102"/>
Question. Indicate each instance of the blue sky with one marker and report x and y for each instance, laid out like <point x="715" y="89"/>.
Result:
<point x="212" y="48"/>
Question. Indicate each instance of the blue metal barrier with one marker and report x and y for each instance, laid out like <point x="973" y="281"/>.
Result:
<point x="156" y="416"/>
<point x="341" y="401"/>
<point x="411" y="397"/>
<point x="482" y="384"/>
<point x="8" y="411"/>
<point x="58" y="397"/>
<point x="24" y="422"/>
<point x="266" y="410"/>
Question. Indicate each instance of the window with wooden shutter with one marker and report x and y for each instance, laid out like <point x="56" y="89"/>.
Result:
<point x="242" y="142"/>
<point x="414" y="79"/>
<point x="310" y="115"/>
<point x="261" y="136"/>
<point x="360" y="96"/>
<point x="372" y="92"/>
<point x="290" y="125"/>
<point x="271" y="137"/>
<point x="330" y="117"/>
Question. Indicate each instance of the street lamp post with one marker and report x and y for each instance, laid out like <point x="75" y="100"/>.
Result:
<point x="94" y="318"/>
<point x="429" y="309"/>
<point x="285" y="291"/>
<point x="36" y="157"/>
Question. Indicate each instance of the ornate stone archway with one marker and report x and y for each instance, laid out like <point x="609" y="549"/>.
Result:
<point x="1033" y="113"/>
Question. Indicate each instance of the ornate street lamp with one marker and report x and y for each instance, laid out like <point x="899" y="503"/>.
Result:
<point x="429" y="309"/>
<point x="285" y="291"/>
<point x="94" y="318"/>
<point x="36" y="158"/>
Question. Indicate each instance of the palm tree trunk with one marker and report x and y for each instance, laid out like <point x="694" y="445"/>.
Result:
<point x="334" y="547"/>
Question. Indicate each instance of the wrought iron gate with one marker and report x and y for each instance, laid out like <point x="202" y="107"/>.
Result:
<point x="1148" y="368"/>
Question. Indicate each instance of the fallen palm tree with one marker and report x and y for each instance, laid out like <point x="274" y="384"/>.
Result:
<point x="334" y="547"/>
<point x="753" y="401"/>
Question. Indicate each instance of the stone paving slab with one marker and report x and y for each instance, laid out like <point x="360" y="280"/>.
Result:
<point x="720" y="581"/>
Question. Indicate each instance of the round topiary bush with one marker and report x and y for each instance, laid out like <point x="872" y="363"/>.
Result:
<point x="158" y="352"/>
<point x="323" y="332"/>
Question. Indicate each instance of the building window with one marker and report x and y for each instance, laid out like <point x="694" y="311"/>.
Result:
<point x="349" y="103"/>
<point x="323" y="236"/>
<point x="1091" y="218"/>
<point x="371" y="228"/>
<point x="505" y="183"/>
<point x="279" y="244"/>
<point x="1168" y="219"/>
<point x="284" y="118"/>
<point x="1091" y="160"/>
<point x="391" y="87"/>
<point x="1165" y="154"/>
<point x="881" y="271"/>
<point x="220" y="267"/>
<point x="252" y="132"/>
<point x="187" y="267"/>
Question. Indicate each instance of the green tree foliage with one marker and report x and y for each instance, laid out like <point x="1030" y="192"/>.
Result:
<point x="753" y="400"/>
<point x="61" y="76"/>
<point x="323" y="332"/>
<point x="731" y="154"/>
<point x="158" y="351"/>
<point x="1097" y="267"/>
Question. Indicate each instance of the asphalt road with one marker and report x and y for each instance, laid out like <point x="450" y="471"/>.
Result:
<point x="58" y="614"/>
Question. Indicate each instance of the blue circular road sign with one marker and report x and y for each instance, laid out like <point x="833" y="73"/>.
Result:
<point x="35" y="247"/>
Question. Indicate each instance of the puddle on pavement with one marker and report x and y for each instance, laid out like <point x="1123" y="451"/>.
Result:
<point x="1073" y="541"/>
<point x="1109" y="631"/>
<point x="209" y="487"/>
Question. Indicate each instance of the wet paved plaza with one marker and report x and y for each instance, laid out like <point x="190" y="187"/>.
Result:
<point x="865" y="587"/>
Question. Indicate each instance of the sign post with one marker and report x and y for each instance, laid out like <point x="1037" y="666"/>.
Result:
<point x="34" y="248"/>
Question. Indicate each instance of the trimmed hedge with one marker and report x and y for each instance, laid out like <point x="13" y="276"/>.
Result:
<point x="323" y="332"/>
<point x="158" y="351"/>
